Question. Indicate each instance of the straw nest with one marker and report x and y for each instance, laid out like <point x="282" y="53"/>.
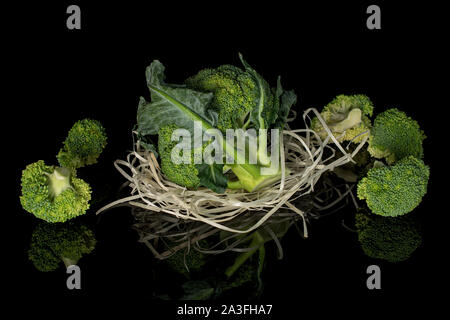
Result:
<point x="303" y="152"/>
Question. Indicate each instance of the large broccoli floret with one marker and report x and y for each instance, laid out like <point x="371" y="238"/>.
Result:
<point x="83" y="145"/>
<point x="235" y="94"/>
<point x="389" y="238"/>
<point x="53" y="244"/>
<point x="347" y="118"/>
<point x="53" y="194"/>
<point x="243" y="100"/>
<point x="395" y="190"/>
<point x="185" y="175"/>
<point x="395" y="136"/>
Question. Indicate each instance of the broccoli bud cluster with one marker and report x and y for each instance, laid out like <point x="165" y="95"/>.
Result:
<point x="55" y="194"/>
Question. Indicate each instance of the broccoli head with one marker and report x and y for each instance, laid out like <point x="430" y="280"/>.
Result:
<point x="235" y="94"/>
<point x="395" y="136"/>
<point x="83" y="145"/>
<point x="53" y="244"/>
<point x="395" y="190"/>
<point x="183" y="174"/>
<point x="53" y="194"/>
<point x="347" y="118"/>
<point x="389" y="238"/>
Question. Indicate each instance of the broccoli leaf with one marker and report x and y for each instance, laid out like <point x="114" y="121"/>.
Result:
<point x="288" y="99"/>
<point x="172" y="104"/>
<point x="212" y="177"/>
<point x="266" y="111"/>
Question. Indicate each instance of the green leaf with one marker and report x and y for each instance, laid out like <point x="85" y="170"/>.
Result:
<point x="265" y="113"/>
<point x="212" y="177"/>
<point x="172" y="104"/>
<point x="288" y="99"/>
<point x="146" y="143"/>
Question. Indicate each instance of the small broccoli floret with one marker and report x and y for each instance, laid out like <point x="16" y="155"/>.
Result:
<point x="53" y="244"/>
<point x="235" y="94"/>
<point x="395" y="190"/>
<point x="83" y="145"/>
<point x="389" y="238"/>
<point x="395" y="136"/>
<point x="53" y="194"/>
<point x="347" y="118"/>
<point x="185" y="175"/>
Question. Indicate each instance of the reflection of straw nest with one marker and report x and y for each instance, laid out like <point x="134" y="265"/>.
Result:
<point x="165" y="234"/>
<point x="302" y="152"/>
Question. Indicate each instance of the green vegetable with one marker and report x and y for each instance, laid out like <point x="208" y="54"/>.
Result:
<point x="347" y="118"/>
<point x="395" y="136"/>
<point x="183" y="174"/>
<point x="395" y="190"/>
<point x="388" y="238"/>
<point x="214" y="107"/>
<point x="55" y="194"/>
<point x="83" y="145"/>
<point x="53" y="244"/>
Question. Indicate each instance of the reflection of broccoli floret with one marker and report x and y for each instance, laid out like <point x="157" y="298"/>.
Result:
<point x="53" y="194"/>
<point x="347" y="114"/>
<point x="52" y="244"/>
<point x="193" y="259"/>
<point x="395" y="136"/>
<point x="83" y="145"/>
<point x="397" y="189"/>
<point x="184" y="174"/>
<point x="388" y="238"/>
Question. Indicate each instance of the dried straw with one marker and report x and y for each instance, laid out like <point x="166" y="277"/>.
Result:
<point x="302" y="152"/>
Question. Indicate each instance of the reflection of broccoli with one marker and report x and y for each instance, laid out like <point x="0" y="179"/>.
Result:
<point x="388" y="238"/>
<point x="397" y="189"/>
<point x="52" y="244"/>
<point x="83" y="145"/>
<point x="395" y="136"/>
<point x="194" y="261"/>
<point x="347" y="114"/>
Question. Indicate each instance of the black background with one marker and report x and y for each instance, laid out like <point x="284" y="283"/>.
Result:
<point x="320" y="50"/>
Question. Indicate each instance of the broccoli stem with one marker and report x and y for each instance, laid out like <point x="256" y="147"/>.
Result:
<point x="263" y="158"/>
<point x="249" y="175"/>
<point x="234" y="185"/>
<point x="353" y="118"/>
<point x="68" y="262"/>
<point x="256" y="243"/>
<point x="59" y="181"/>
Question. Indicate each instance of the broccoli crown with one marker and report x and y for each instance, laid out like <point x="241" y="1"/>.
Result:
<point x="53" y="194"/>
<point x="183" y="174"/>
<point x="53" y="244"/>
<point x="236" y="94"/>
<point x="395" y="190"/>
<point x="83" y="145"/>
<point x="394" y="136"/>
<point x="389" y="238"/>
<point x="347" y="117"/>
